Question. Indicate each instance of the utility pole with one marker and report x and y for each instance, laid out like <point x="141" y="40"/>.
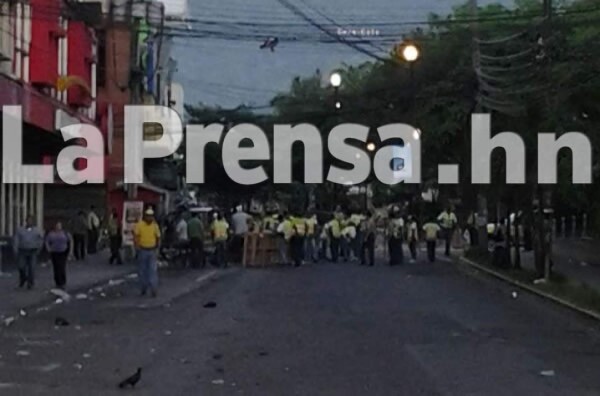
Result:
<point x="481" y="219"/>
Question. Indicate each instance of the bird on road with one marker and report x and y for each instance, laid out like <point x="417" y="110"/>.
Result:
<point x="133" y="380"/>
<point x="270" y="43"/>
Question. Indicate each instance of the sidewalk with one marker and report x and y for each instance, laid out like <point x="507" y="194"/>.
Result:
<point x="577" y="259"/>
<point x="80" y="276"/>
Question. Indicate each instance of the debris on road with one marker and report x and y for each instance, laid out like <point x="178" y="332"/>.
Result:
<point x="514" y="294"/>
<point x="61" y="294"/>
<point x="81" y="296"/>
<point x="8" y="321"/>
<point x="218" y="381"/>
<point x="116" y="282"/>
<point x="547" y="373"/>
<point x="60" y="321"/>
<point x="23" y="353"/>
<point x="217" y="356"/>
<point x="210" y="304"/>
<point x="78" y="366"/>
<point x="50" y="367"/>
<point x="168" y="332"/>
<point x="86" y="355"/>
<point x="22" y="312"/>
<point x="58" y="301"/>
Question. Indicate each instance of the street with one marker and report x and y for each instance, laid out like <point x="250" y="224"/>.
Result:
<point x="322" y="329"/>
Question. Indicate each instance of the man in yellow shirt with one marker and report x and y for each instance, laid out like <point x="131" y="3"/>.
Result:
<point x="220" y="232"/>
<point x="310" y="250"/>
<point x="297" y="239"/>
<point x="431" y="235"/>
<point x="147" y="239"/>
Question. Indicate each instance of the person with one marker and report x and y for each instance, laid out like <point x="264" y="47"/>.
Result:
<point x="356" y="243"/>
<point x="311" y="242"/>
<point x="369" y="230"/>
<point x="220" y="232"/>
<point x="395" y="227"/>
<point x="93" y="225"/>
<point x="28" y="242"/>
<point x="431" y="229"/>
<point x="240" y="224"/>
<point x="181" y="234"/>
<point x="195" y="232"/>
<point x="348" y="239"/>
<point x="147" y="241"/>
<point x="284" y="229"/>
<point x="79" y="228"/>
<point x="115" y="238"/>
<point x="412" y="237"/>
<point x="335" y="233"/>
<point x="57" y="244"/>
<point x="447" y="220"/>
<point x="296" y="239"/>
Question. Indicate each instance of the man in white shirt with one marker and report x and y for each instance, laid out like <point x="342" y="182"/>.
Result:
<point x="93" y="223"/>
<point x="448" y="221"/>
<point x="239" y="224"/>
<point x="181" y="230"/>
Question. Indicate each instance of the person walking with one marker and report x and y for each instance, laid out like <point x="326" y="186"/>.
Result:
<point x="195" y="231"/>
<point x="220" y="233"/>
<point x="115" y="238"/>
<point x="147" y="241"/>
<point x="448" y="221"/>
<point x="93" y="225"/>
<point x="395" y="231"/>
<point x="28" y="242"/>
<point x="79" y="228"/>
<point x="413" y="237"/>
<point x="57" y="244"/>
<point x="369" y="229"/>
<point x="431" y="229"/>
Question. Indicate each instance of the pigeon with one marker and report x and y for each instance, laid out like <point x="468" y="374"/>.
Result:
<point x="133" y="380"/>
<point x="61" y="321"/>
<point x="210" y="304"/>
<point x="270" y="43"/>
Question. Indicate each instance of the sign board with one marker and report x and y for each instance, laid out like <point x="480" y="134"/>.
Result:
<point x="402" y="162"/>
<point x="132" y="213"/>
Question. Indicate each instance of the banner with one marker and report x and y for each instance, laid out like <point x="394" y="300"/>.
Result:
<point x="132" y="213"/>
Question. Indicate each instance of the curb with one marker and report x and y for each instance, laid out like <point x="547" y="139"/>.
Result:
<point x="558" y="300"/>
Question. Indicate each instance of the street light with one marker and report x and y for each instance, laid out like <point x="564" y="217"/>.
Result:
<point x="335" y="79"/>
<point x="417" y="134"/>
<point x="338" y="105"/>
<point x="410" y="53"/>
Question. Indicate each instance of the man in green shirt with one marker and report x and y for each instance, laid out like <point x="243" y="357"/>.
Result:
<point x="196" y="237"/>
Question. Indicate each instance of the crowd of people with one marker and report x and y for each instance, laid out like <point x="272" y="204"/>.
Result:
<point x="301" y="237"/>
<point x="307" y="237"/>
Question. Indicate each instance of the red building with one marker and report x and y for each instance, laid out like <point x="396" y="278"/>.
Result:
<point x="69" y="62"/>
<point x="47" y="66"/>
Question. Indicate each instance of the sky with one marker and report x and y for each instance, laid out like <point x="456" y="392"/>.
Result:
<point x="231" y="69"/>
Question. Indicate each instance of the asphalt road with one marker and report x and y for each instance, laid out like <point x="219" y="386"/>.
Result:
<point x="326" y="329"/>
